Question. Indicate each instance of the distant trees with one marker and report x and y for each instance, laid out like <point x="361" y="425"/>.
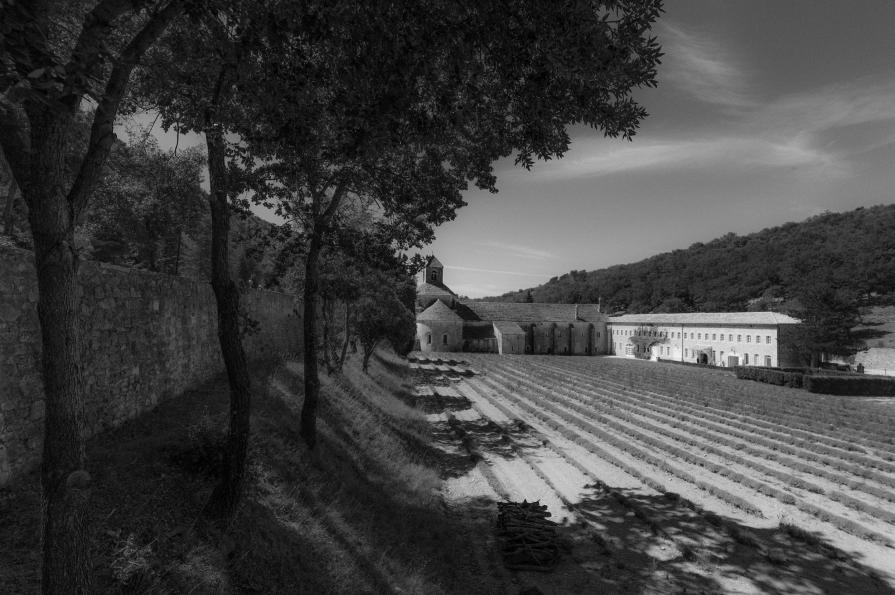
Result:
<point x="855" y="249"/>
<point x="147" y="200"/>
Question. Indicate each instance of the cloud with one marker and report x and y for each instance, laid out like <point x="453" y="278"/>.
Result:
<point x="496" y="272"/>
<point x="702" y="67"/>
<point x="737" y="152"/>
<point x="819" y="114"/>
<point x="518" y="250"/>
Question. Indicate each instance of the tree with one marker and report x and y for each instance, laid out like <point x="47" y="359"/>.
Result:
<point x="200" y="79"/>
<point x="145" y="204"/>
<point x="645" y="336"/>
<point x="380" y="315"/>
<point x="828" y="314"/>
<point x="55" y="57"/>
<point x="406" y="103"/>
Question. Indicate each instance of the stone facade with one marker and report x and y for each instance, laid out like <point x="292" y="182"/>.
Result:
<point x="716" y="338"/>
<point x="502" y="327"/>
<point x="146" y="338"/>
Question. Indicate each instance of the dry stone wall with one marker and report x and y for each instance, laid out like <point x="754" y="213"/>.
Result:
<point x="146" y="338"/>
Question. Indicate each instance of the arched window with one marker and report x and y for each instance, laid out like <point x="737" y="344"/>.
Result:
<point x="433" y="275"/>
<point x="444" y="339"/>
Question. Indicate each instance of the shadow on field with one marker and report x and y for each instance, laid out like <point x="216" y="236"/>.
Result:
<point x="669" y="547"/>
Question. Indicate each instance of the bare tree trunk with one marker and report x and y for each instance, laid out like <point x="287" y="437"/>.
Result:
<point x="312" y="377"/>
<point x="347" y="335"/>
<point x="225" y="499"/>
<point x="368" y="352"/>
<point x="327" y="321"/>
<point x="9" y="210"/>
<point x="64" y="479"/>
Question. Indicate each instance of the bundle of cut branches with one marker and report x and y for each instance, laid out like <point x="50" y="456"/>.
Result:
<point x="528" y="537"/>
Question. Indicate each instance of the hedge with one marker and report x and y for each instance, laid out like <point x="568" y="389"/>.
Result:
<point x="698" y="365"/>
<point x="770" y="376"/>
<point x="850" y="385"/>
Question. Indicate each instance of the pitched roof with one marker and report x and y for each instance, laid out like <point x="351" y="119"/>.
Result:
<point x="524" y="312"/>
<point x="508" y="328"/>
<point x="434" y="289"/>
<point x="706" y="318"/>
<point x="439" y="311"/>
<point x="434" y="262"/>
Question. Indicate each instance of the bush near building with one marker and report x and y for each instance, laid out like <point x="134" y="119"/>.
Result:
<point x="850" y="385"/>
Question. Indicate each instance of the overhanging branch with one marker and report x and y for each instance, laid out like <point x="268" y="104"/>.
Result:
<point x="102" y="132"/>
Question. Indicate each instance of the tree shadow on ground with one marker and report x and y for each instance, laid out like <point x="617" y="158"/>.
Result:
<point x="668" y="547"/>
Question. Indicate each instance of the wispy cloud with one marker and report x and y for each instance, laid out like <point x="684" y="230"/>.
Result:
<point x="496" y="271"/>
<point x="830" y="109"/>
<point x="703" y="67"/>
<point x="600" y="159"/>
<point x="518" y="250"/>
<point x="820" y="132"/>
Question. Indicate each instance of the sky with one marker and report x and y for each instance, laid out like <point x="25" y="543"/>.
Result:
<point x="767" y="111"/>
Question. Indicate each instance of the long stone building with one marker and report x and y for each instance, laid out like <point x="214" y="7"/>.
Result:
<point x="715" y="338"/>
<point x="446" y="323"/>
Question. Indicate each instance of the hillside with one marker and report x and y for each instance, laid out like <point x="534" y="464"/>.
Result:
<point x="344" y="518"/>
<point x="734" y="272"/>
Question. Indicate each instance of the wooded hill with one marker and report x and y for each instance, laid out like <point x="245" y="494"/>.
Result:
<point x="854" y="250"/>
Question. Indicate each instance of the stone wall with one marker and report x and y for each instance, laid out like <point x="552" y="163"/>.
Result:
<point x="146" y="338"/>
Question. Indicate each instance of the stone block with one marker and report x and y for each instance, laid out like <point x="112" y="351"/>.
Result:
<point x="10" y="311"/>
<point x="37" y="410"/>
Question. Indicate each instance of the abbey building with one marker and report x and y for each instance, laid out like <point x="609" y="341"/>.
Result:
<point x="446" y="323"/>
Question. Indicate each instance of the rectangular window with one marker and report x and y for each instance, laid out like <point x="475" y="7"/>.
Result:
<point x="428" y="338"/>
<point x="699" y="336"/>
<point x="739" y="338"/>
<point x="756" y="360"/>
<point x="745" y="359"/>
<point x="444" y="339"/>
<point x="767" y="361"/>
<point x="722" y="336"/>
<point x="768" y="339"/>
<point x="748" y="338"/>
<point x="713" y="336"/>
<point x="691" y="335"/>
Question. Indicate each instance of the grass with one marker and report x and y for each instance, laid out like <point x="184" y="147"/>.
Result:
<point x="361" y="513"/>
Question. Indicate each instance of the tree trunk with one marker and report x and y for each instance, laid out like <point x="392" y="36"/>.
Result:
<point x="9" y="211"/>
<point x="347" y="336"/>
<point x="312" y="378"/>
<point x="225" y="499"/>
<point x="368" y="352"/>
<point x="64" y="479"/>
<point x="327" y="322"/>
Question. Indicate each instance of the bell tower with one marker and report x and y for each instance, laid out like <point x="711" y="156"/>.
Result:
<point x="434" y="272"/>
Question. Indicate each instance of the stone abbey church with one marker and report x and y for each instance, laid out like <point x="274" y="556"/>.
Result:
<point x="446" y="323"/>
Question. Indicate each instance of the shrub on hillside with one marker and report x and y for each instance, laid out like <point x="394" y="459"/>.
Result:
<point x="850" y="385"/>
<point x="770" y="376"/>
